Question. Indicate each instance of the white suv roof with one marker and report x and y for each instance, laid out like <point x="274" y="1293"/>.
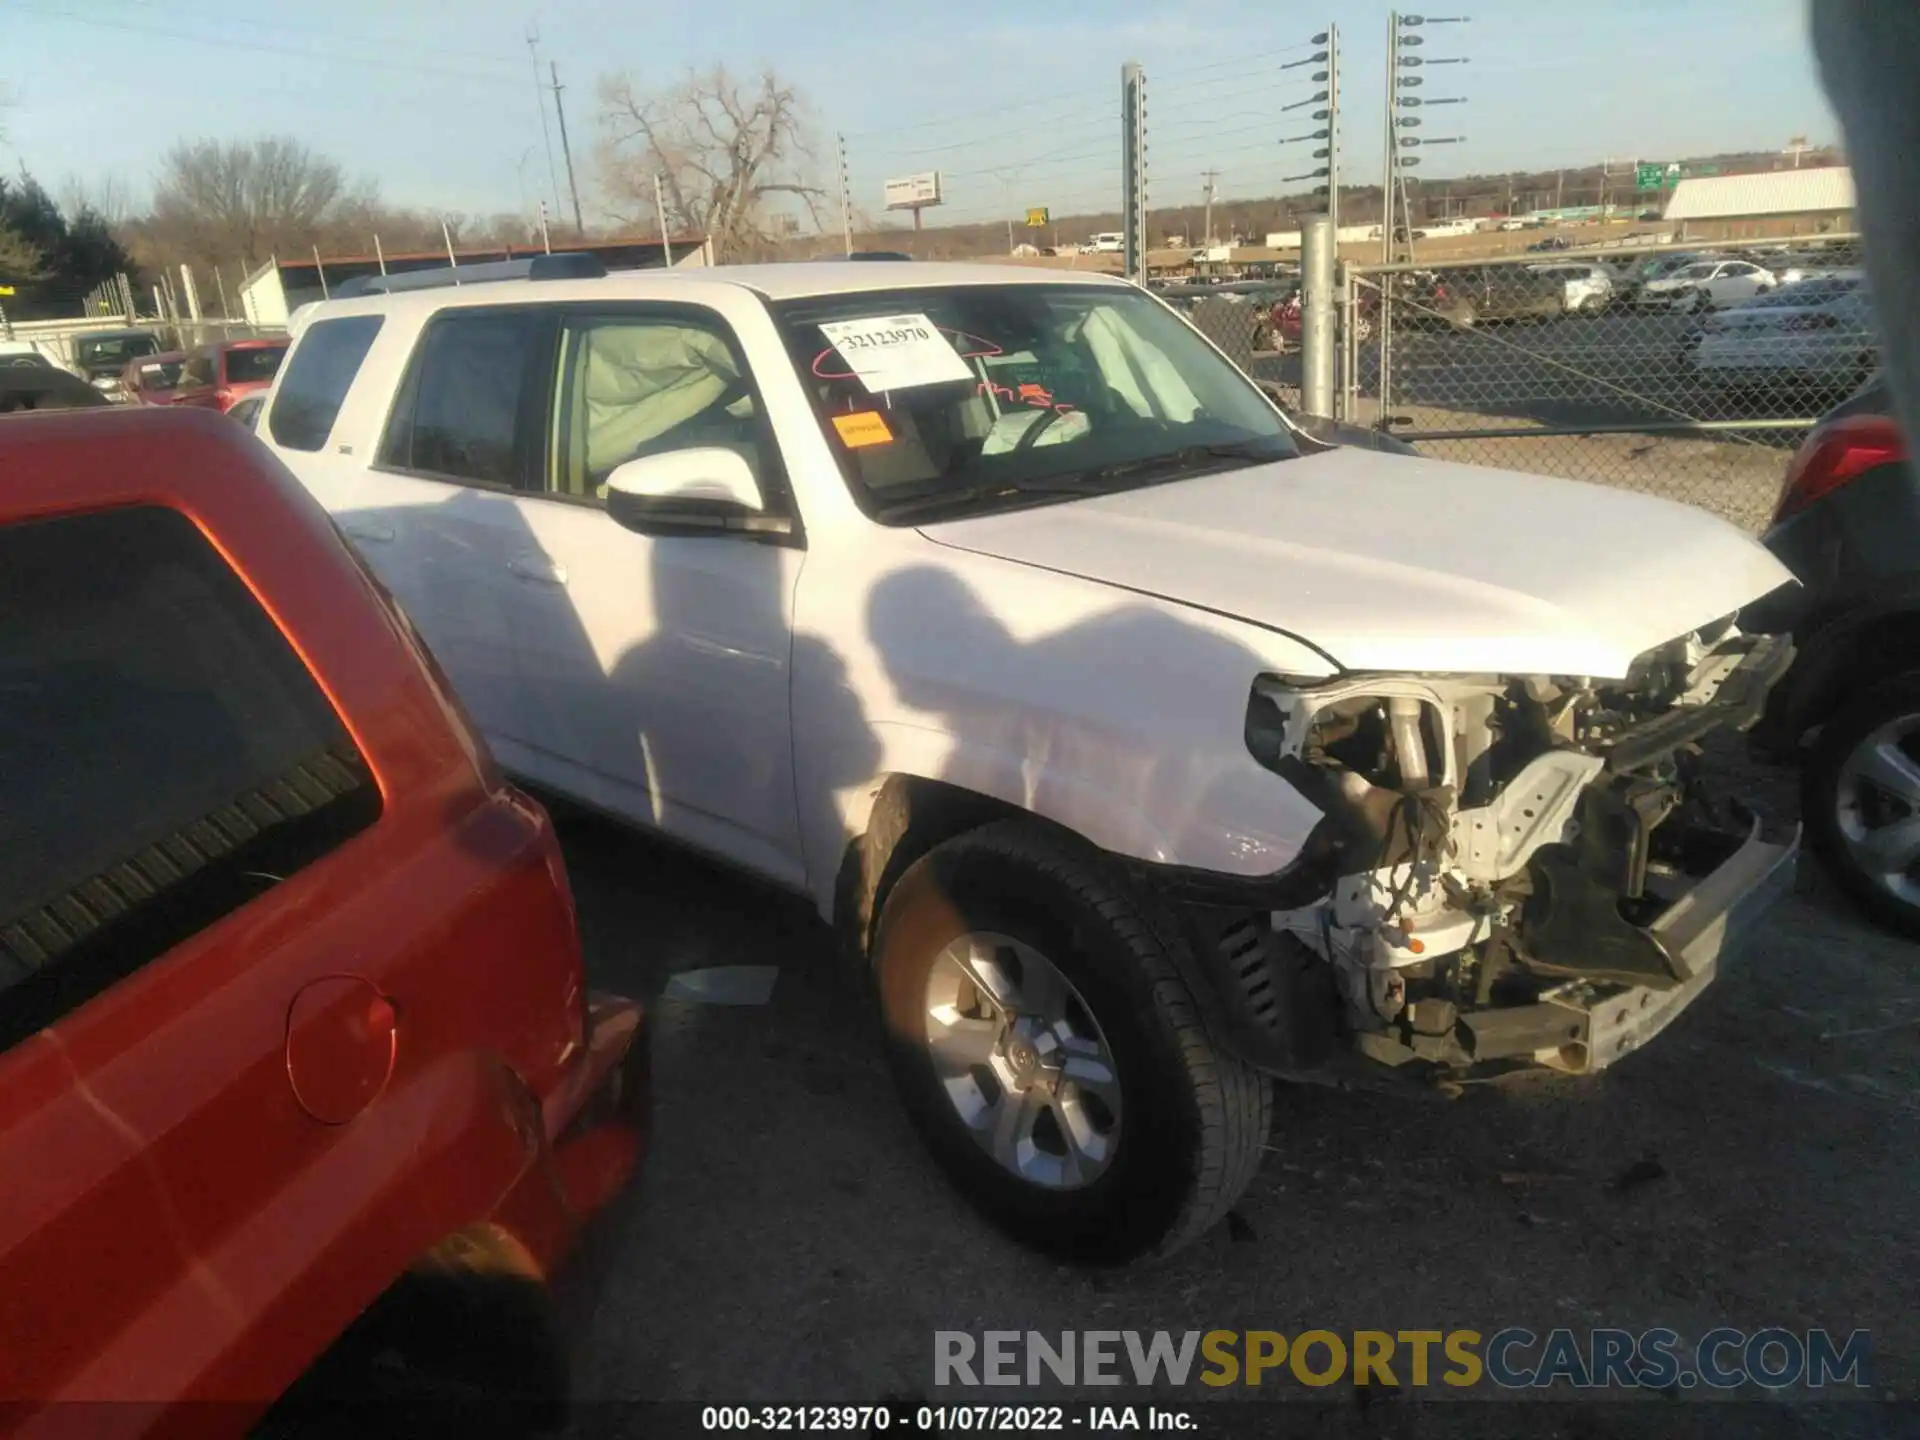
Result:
<point x="792" y="281"/>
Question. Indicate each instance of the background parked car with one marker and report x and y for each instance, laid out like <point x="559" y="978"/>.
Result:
<point x="1466" y="296"/>
<point x="103" y="355"/>
<point x="295" y="1040"/>
<point x="152" y="379"/>
<point x="1660" y="267"/>
<point x="1848" y="526"/>
<point x="217" y="375"/>
<point x="1706" y="285"/>
<point x="1589" y="287"/>
<point x="1817" y="336"/>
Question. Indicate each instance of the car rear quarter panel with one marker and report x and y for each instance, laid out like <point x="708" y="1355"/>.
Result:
<point x="217" y="1234"/>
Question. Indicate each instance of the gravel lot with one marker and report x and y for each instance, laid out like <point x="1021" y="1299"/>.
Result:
<point x="1755" y="1167"/>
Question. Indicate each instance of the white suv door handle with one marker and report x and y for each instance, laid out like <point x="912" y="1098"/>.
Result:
<point x="367" y="530"/>
<point x="538" y="569"/>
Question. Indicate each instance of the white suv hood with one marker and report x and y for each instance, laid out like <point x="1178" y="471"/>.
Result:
<point x="1393" y="563"/>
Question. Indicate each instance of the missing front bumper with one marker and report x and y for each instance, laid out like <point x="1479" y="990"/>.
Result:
<point x="1583" y="1026"/>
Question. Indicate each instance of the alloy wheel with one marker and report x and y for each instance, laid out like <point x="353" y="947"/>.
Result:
<point x="1023" y="1061"/>
<point x="1877" y="807"/>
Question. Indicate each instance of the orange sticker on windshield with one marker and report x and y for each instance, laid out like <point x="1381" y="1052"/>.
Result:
<point x="863" y="427"/>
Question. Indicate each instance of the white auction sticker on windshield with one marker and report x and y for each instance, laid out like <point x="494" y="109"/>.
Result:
<point x="896" y="352"/>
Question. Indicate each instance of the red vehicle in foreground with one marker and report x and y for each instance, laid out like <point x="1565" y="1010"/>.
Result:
<point x="294" y="1034"/>
<point x="217" y="375"/>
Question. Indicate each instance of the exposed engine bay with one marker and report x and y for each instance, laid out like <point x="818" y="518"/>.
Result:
<point x="1524" y="869"/>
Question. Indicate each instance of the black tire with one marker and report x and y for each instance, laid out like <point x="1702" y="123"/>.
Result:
<point x="1194" y="1119"/>
<point x="1820" y="799"/>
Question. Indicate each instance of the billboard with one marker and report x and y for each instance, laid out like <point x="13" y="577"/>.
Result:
<point x="910" y="192"/>
<point x="1037" y="217"/>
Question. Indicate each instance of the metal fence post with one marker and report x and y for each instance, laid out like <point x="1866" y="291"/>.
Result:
<point x="1384" y="329"/>
<point x="1343" y="395"/>
<point x="1316" y="316"/>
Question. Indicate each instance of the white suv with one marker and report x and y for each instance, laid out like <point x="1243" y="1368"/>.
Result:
<point x="1145" y="748"/>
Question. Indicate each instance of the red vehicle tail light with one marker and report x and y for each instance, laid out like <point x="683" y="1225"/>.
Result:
<point x="1836" y="454"/>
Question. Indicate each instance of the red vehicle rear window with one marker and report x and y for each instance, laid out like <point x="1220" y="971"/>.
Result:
<point x="165" y="755"/>
<point x="246" y="367"/>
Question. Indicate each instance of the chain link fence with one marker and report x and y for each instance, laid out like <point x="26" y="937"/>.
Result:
<point x="1688" y="371"/>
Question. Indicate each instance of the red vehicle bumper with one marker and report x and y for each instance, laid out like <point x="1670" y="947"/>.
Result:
<point x="598" y="1122"/>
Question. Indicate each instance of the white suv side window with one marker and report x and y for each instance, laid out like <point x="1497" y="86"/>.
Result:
<point x="634" y="385"/>
<point x="458" y="414"/>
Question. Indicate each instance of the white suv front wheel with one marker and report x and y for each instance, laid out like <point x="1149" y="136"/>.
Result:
<point x="1051" y="1053"/>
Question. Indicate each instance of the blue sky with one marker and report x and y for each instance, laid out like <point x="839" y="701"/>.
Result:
<point x="1016" y="103"/>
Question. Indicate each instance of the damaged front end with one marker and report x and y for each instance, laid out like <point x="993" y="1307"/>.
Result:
<point x="1510" y="869"/>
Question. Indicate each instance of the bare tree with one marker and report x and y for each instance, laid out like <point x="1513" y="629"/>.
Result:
<point x="732" y="158"/>
<point x="108" y="197"/>
<point x="244" y="201"/>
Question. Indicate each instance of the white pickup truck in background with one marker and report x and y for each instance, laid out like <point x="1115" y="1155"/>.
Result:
<point x="1146" y="749"/>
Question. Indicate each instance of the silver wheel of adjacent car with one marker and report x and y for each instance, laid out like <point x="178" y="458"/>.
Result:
<point x="1877" y="807"/>
<point x="1023" y="1061"/>
<point x="1860" y="798"/>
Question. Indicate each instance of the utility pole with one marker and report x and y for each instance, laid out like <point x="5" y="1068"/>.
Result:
<point x="846" y="195"/>
<point x="660" y="213"/>
<point x="1393" y="136"/>
<point x="1333" y="136"/>
<point x="1133" y="171"/>
<point x="540" y="104"/>
<point x="579" y="225"/>
<point x="1401" y="39"/>
<point x="1210" y="176"/>
<point x="1328" y="192"/>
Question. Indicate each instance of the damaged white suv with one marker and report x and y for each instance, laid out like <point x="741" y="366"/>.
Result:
<point x="1145" y="748"/>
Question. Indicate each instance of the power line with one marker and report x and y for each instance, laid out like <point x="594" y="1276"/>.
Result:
<point x="1162" y="76"/>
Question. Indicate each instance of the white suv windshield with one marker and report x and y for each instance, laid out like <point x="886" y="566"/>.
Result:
<point x="966" y="399"/>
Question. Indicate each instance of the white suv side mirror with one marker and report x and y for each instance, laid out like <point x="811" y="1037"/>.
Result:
<point x="705" y="491"/>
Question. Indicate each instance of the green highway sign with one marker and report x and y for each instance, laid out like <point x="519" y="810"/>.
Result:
<point x="1658" y="177"/>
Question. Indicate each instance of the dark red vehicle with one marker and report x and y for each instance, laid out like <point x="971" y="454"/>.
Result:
<point x="1287" y="323"/>
<point x="295" y="1038"/>
<point x="217" y="375"/>
<point x="153" y="379"/>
